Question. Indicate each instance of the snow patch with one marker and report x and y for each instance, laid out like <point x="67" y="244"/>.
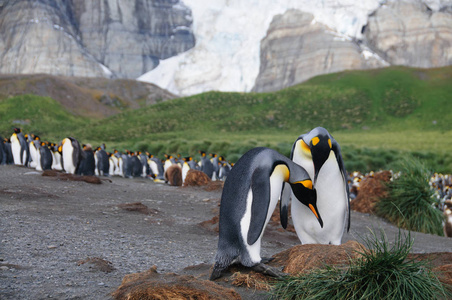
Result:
<point x="226" y="56"/>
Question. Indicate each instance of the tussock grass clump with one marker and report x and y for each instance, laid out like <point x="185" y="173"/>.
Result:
<point x="410" y="203"/>
<point x="382" y="272"/>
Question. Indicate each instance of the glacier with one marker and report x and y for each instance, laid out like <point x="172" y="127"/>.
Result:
<point x="226" y="56"/>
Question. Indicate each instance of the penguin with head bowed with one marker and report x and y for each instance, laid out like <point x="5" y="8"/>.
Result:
<point x="158" y="169"/>
<point x="320" y="155"/>
<point x="193" y="164"/>
<point x="19" y="148"/>
<point x="250" y="194"/>
<point x="71" y="155"/>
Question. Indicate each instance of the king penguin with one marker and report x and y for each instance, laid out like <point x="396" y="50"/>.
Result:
<point x="103" y="161"/>
<point x="2" y="152"/>
<point x="249" y="197"/>
<point x="46" y="158"/>
<point x="71" y="155"/>
<point x="206" y="165"/>
<point x="19" y="148"/>
<point x="88" y="163"/>
<point x="34" y="144"/>
<point x="320" y="155"/>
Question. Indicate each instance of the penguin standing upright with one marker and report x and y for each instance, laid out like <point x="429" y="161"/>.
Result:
<point x="193" y="164"/>
<point x="56" y="157"/>
<point x="250" y="194"/>
<point x="216" y="168"/>
<point x="119" y="163"/>
<point x="320" y="155"/>
<point x="113" y="163"/>
<point x="34" y="144"/>
<point x="2" y="151"/>
<point x="35" y="162"/>
<point x="87" y="165"/>
<point x="103" y="161"/>
<point x="135" y="164"/>
<point x="224" y="170"/>
<point x="185" y="167"/>
<point x="157" y="168"/>
<point x="9" y="159"/>
<point x="71" y="155"/>
<point x="144" y="164"/>
<point x="19" y="148"/>
<point x="206" y="165"/>
<point x="45" y="160"/>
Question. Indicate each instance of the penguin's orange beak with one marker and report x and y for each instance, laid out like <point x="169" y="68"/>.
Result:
<point x="315" y="211"/>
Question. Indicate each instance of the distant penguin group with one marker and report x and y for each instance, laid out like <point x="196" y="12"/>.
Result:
<point x="71" y="157"/>
<point x="314" y="178"/>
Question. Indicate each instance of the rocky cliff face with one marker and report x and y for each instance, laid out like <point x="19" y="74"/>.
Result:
<point x="91" y="38"/>
<point x="411" y="34"/>
<point x="296" y="47"/>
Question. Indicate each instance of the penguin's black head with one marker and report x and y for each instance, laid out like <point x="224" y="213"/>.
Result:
<point x="318" y="144"/>
<point x="17" y="130"/>
<point x="307" y="195"/>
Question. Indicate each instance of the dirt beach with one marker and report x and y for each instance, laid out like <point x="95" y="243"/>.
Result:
<point x="77" y="240"/>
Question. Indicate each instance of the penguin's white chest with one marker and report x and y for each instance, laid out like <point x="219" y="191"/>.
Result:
<point x="34" y="152"/>
<point x="331" y="203"/>
<point x="15" y="149"/>
<point x="68" y="163"/>
<point x="276" y="183"/>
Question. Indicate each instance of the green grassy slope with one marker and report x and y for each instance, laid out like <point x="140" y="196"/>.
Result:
<point x="377" y="116"/>
<point x="42" y="116"/>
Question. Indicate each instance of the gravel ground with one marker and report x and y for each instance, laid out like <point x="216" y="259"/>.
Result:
<point x="70" y="240"/>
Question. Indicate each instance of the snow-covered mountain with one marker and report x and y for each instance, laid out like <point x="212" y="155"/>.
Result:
<point x="193" y="46"/>
<point x="228" y="33"/>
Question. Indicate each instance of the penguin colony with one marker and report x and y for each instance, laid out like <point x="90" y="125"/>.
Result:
<point x="252" y="187"/>
<point x="313" y="178"/>
<point x="72" y="157"/>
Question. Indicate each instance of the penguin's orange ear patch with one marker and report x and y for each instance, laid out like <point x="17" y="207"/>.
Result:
<point x="329" y="143"/>
<point x="306" y="183"/>
<point x="315" y="140"/>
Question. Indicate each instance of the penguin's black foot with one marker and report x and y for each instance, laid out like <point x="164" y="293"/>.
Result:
<point x="216" y="272"/>
<point x="265" y="260"/>
<point x="267" y="270"/>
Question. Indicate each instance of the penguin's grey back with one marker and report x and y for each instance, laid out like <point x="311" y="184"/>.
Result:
<point x="46" y="157"/>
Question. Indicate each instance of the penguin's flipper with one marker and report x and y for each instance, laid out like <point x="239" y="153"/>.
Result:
<point x="284" y="205"/>
<point x="337" y="151"/>
<point x="260" y="186"/>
